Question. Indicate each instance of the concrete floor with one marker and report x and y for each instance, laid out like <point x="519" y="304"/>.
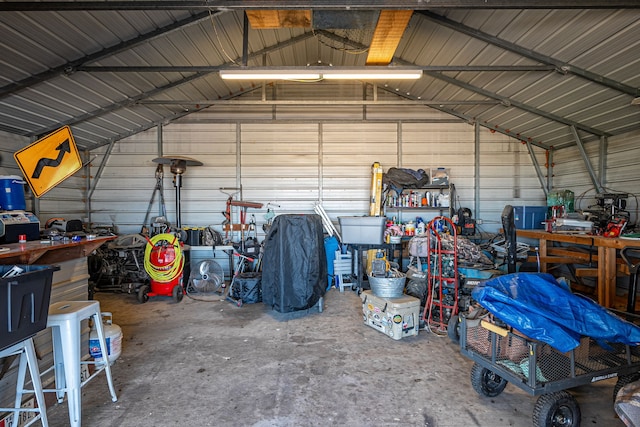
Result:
<point x="212" y="364"/>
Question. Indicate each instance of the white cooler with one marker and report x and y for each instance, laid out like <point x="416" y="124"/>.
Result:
<point x="395" y="317"/>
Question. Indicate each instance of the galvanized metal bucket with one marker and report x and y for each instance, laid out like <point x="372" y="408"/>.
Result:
<point x="387" y="287"/>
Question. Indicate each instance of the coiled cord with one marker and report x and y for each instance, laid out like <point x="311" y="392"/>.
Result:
<point x="168" y="272"/>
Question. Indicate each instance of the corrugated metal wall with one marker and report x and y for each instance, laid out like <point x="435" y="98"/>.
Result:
<point x="623" y="172"/>
<point x="293" y="157"/>
<point x="506" y="176"/>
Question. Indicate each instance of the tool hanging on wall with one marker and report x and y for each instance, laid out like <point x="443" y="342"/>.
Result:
<point x="376" y="190"/>
<point x="157" y="189"/>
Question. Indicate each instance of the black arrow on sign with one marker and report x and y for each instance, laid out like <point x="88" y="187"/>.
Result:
<point x="63" y="148"/>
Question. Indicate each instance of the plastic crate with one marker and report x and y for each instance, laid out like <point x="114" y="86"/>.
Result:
<point x="362" y="230"/>
<point x="24" y="302"/>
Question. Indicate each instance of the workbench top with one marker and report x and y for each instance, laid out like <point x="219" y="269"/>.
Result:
<point x="49" y="252"/>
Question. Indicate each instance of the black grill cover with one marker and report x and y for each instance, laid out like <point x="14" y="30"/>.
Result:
<point x="294" y="264"/>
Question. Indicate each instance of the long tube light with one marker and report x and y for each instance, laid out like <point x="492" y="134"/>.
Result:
<point x="293" y="73"/>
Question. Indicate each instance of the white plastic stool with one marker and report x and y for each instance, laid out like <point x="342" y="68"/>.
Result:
<point x="65" y="319"/>
<point x="27" y="353"/>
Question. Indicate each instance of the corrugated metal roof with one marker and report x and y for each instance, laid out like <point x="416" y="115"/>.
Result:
<point x="50" y="67"/>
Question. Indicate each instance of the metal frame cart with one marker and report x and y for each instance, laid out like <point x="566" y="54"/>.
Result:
<point x="442" y="276"/>
<point x="503" y="356"/>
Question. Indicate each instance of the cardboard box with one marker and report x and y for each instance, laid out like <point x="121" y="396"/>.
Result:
<point x="362" y="230"/>
<point x="440" y="176"/>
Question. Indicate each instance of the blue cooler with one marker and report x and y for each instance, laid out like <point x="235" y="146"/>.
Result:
<point x="12" y="193"/>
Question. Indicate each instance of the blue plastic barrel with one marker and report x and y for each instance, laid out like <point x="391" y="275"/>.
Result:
<point x="12" y="193"/>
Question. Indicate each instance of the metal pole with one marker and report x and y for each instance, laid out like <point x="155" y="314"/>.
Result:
<point x="178" y="183"/>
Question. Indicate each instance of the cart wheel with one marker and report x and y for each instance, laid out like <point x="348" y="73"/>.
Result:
<point x="623" y="381"/>
<point x="143" y="294"/>
<point x="558" y="409"/>
<point x="177" y="293"/>
<point x="486" y="382"/>
<point x="453" y="329"/>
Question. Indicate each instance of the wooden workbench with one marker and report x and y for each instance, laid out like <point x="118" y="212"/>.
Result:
<point x="606" y="257"/>
<point x="51" y="252"/>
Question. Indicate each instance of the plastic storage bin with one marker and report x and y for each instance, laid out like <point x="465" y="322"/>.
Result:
<point x="24" y="302"/>
<point x="529" y="217"/>
<point x="394" y="317"/>
<point x="362" y="230"/>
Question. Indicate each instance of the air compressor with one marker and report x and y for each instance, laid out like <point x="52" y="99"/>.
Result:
<point x="164" y="263"/>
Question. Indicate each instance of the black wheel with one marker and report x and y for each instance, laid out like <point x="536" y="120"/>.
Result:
<point x="623" y="381"/>
<point x="143" y="294"/>
<point x="486" y="382"/>
<point x="177" y="293"/>
<point x="453" y="329"/>
<point x="558" y="409"/>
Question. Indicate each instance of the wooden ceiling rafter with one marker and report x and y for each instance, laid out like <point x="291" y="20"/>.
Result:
<point x="387" y="35"/>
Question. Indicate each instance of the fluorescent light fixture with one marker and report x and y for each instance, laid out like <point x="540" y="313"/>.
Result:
<point x="258" y="74"/>
<point x="364" y="74"/>
<point x="318" y="73"/>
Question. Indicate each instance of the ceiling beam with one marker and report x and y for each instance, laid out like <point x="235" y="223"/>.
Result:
<point x="517" y="104"/>
<point x="133" y="100"/>
<point x="26" y="6"/>
<point x="314" y="102"/>
<point x="205" y="68"/>
<point x="561" y="66"/>
<point x="471" y="120"/>
<point x="505" y="101"/>
<point x="112" y="141"/>
<point x="69" y="67"/>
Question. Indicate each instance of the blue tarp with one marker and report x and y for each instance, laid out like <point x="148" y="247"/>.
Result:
<point x="545" y="310"/>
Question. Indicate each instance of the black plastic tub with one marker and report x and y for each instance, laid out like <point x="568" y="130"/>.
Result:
<point x="24" y="302"/>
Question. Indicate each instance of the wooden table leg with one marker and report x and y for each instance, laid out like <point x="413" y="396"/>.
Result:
<point x="543" y="255"/>
<point x="606" y="286"/>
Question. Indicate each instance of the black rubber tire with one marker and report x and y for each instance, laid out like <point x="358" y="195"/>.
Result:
<point x="177" y="293"/>
<point x="143" y="294"/>
<point x="623" y="381"/>
<point x="453" y="329"/>
<point x="558" y="409"/>
<point x="486" y="382"/>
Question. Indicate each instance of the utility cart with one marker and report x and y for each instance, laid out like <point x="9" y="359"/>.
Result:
<point x="503" y="355"/>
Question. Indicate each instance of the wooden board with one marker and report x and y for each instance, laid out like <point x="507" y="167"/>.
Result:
<point x="387" y="35"/>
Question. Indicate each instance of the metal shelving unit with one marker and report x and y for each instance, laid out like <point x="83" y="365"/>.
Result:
<point x="411" y="201"/>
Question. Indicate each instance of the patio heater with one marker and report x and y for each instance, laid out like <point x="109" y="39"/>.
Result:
<point x="178" y="166"/>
